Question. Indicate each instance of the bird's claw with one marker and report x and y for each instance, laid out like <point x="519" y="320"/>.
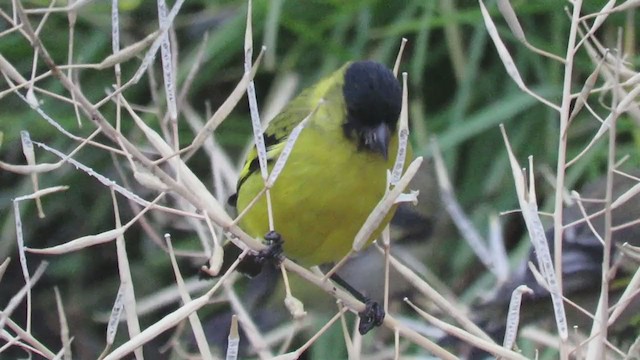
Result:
<point x="372" y="316"/>
<point x="273" y="252"/>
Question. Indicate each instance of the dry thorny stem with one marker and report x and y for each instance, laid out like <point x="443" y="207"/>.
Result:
<point x="609" y="67"/>
<point x="184" y="195"/>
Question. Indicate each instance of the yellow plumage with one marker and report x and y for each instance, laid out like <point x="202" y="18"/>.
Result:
<point x="334" y="176"/>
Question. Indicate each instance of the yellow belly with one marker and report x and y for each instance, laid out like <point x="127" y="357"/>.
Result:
<point x="321" y="199"/>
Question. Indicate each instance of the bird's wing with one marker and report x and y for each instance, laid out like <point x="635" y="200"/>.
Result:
<point x="276" y="135"/>
<point x="278" y="129"/>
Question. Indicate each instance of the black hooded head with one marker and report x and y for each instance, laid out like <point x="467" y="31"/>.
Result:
<point x="373" y="99"/>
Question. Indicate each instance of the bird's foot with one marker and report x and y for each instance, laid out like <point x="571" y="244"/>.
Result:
<point x="372" y="316"/>
<point x="273" y="252"/>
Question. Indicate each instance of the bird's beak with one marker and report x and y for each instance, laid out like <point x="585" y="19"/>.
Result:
<point x="377" y="139"/>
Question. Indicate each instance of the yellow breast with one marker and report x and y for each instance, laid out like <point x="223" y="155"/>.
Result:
<point x="325" y="193"/>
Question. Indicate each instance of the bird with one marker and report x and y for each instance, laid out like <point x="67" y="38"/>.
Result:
<point x="336" y="172"/>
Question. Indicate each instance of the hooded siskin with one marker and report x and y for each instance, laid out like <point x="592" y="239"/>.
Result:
<point x="336" y="172"/>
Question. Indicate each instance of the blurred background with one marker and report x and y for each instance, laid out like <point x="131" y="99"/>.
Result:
<point x="459" y="92"/>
